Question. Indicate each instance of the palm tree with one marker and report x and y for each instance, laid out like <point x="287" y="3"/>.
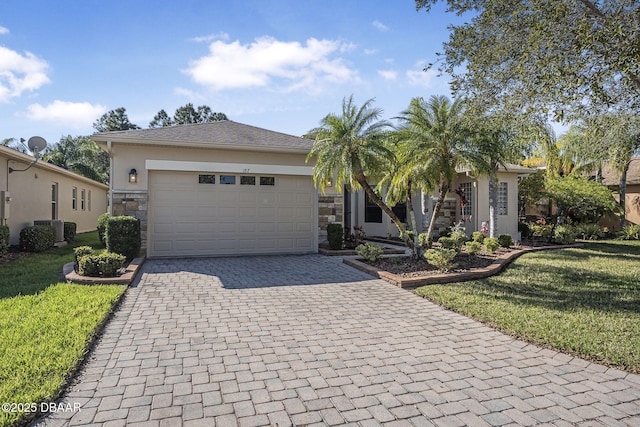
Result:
<point x="435" y="141"/>
<point x="351" y="148"/>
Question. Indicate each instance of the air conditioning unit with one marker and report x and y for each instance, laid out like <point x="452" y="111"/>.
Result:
<point x="57" y="224"/>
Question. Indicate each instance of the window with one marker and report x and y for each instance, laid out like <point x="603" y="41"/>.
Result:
<point x="228" y="179"/>
<point x="206" y="179"/>
<point x="267" y="180"/>
<point x="54" y="200"/>
<point x="372" y="212"/>
<point x="83" y="199"/>
<point x="89" y="201"/>
<point x="247" y="180"/>
<point x="74" y="198"/>
<point x="467" y="192"/>
<point x="401" y="211"/>
<point x="503" y="199"/>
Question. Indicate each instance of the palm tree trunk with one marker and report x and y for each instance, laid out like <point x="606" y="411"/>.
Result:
<point x="622" y="191"/>
<point x="436" y="210"/>
<point x="412" y="220"/>
<point x="362" y="180"/>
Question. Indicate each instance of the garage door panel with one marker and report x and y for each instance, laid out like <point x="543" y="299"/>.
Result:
<point x="187" y="218"/>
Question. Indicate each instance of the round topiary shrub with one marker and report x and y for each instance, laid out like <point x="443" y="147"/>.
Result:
<point x="491" y="245"/>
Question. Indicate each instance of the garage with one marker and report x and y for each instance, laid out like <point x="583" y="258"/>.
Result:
<point x="196" y="213"/>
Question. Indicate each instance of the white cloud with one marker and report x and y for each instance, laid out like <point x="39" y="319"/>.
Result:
<point x="388" y="74"/>
<point x="19" y="73"/>
<point x="370" y="51"/>
<point x="211" y="37"/>
<point x="273" y="64"/>
<point x="421" y="78"/>
<point x="3" y="30"/>
<point x="380" y="26"/>
<point x="74" y="114"/>
<point x="188" y="93"/>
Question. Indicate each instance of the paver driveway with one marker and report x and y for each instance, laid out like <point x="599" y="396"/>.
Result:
<point x="306" y="340"/>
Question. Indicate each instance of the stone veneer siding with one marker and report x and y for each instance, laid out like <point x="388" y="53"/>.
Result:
<point x="132" y="204"/>
<point x="446" y="218"/>
<point x="330" y="210"/>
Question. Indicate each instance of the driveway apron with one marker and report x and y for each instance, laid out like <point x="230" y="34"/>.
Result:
<point x="306" y="340"/>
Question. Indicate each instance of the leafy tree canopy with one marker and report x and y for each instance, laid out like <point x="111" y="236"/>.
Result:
<point x="571" y="58"/>
<point x="580" y="199"/>
<point x="114" y="120"/>
<point x="185" y="115"/>
<point x="81" y="155"/>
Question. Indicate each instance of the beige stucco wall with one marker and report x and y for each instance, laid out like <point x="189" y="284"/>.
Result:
<point x="507" y="224"/>
<point x="30" y="193"/>
<point x="130" y="156"/>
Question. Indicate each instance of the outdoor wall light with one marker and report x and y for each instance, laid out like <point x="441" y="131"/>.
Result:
<point x="133" y="176"/>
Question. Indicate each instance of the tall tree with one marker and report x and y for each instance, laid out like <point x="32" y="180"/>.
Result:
<point x="15" y="144"/>
<point x="350" y="148"/>
<point x="114" y="120"/>
<point x="571" y="58"/>
<point x="161" y="119"/>
<point x="185" y="115"/>
<point x="81" y="155"/>
<point x="614" y="138"/>
<point x="439" y="141"/>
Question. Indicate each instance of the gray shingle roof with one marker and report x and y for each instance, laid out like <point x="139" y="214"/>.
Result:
<point x="610" y="176"/>
<point x="224" y="133"/>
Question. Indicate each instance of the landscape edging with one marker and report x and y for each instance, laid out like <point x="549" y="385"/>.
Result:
<point x="71" y="276"/>
<point x="478" y="273"/>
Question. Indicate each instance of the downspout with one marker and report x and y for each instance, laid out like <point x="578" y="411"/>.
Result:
<point x="110" y="151"/>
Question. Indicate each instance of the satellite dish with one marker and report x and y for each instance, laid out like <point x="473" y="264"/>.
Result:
<point x="36" y="144"/>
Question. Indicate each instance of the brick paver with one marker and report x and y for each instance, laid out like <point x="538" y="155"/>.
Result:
<point x="253" y="341"/>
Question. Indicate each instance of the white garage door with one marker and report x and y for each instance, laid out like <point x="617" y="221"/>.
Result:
<point x="195" y="214"/>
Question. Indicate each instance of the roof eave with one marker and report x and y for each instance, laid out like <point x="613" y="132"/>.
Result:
<point x="103" y="139"/>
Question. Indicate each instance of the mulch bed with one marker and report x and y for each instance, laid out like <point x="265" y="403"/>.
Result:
<point x="407" y="267"/>
<point x="12" y="255"/>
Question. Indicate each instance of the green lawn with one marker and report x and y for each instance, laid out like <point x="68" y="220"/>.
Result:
<point x="584" y="302"/>
<point x="45" y="326"/>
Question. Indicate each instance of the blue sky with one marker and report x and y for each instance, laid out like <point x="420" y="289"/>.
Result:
<point x="277" y="64"/>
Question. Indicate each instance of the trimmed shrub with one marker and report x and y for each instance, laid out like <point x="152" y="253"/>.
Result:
<point x="4" y="239"/>
<point x="102" y="226"/>
<point x="37" y="238"/>
<point x="541" y="231"/>
<point x="491" y="245"/>
<point x="105" y="264"/>
<point x="460" y="237"/>
<point x="629" y="232"/>
<point x="422" y="239"/>
<point x="70" y="231"/>
<point x="441" y="258"/>
<point x="589" y="231"/>
<point x="564" y="234"/>
<point x="505" y="240"/>
<point x="81" y="251"/>
<point x="450" y="243"/>
<point x="335" y="236"/>
<point x="478" y="236"/>
<point x="369" y="252"/>
<point x="473" y="248"/>
<point x="122" y="235"/>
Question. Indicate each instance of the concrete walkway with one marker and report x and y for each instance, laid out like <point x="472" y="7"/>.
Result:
<point x="306" y="340"/>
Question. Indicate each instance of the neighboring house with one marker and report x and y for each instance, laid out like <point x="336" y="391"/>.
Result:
<point x="220" y="188"/>
<point x="46" y="192"/>
<point x="611" y="178"/>
<point x="360" y="211"/>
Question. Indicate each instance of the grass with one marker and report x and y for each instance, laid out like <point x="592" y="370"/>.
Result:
<point x="584" y="302"/>
<point x="46" y="326"/>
